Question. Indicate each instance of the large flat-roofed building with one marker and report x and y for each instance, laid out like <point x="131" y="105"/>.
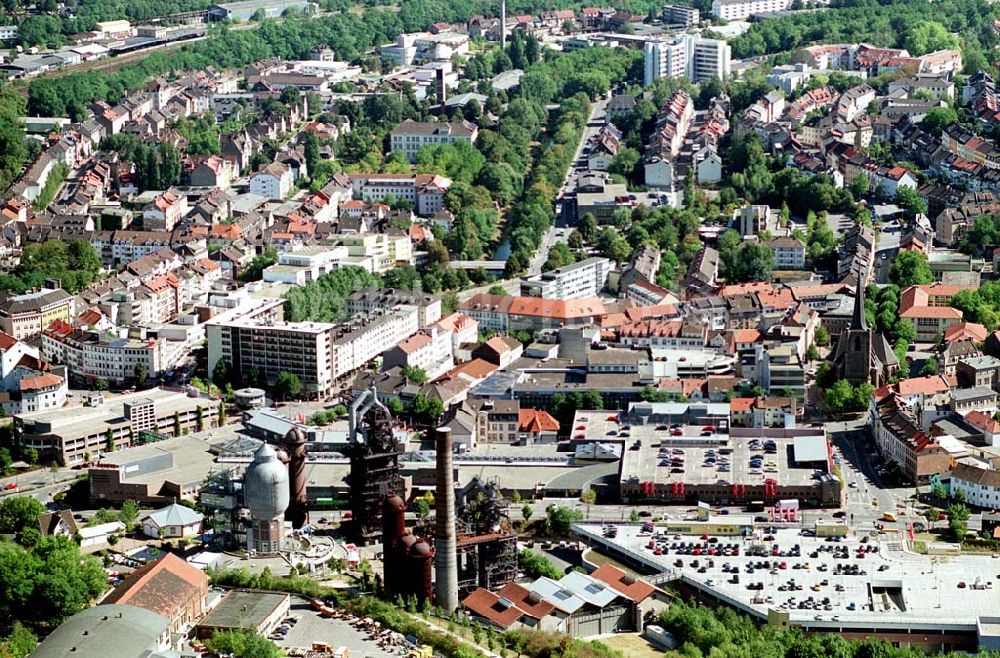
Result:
<point x="123" y="631"/>
<point x="254" y="336"/>
<point x="66" y="435"/>
<point x="703" y="459"/>
<point x="409" y="136"/>
<point x="371" y="299"/>
<point x="583" y="279"/>
<point x="249" y="610"/>
<point x="28" y="314"/>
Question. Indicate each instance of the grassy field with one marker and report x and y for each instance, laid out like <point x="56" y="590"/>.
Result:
<point x="632" y="645"/>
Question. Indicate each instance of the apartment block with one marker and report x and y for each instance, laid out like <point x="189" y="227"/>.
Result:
<point x="732" y="10"/>
<point x="365" y="337"/>
<point x="372" y="299"/>
<point x="681" y="15"/>
<point x="115" y="356"/>
<point x="686" y="56"/>
<point x="409" y="136"/>
<point x="583" y="279"/>
<point x="28" y="314"/>
<point x="254" y="337"/>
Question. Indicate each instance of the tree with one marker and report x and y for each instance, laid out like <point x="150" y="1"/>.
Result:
<point x="536" y="566"/>
<point x="559" y="519"/>
<point x="242" y="644"/>
<point x="588" y="496"/>
<point x="140" y="373"/>
<point x="822" y="336"/>
<point x="129" y="514"/>
<point x="839" y="396"/>
<point x="288" y="385"/>
<point x="625" y="162"/>
<point x="200" y="419"/>
<point x="109" y="439"/>
<point x="958" y="520"/>
<point x="938" y="118"/>
<point x="422" y="508"/>
<point x="19" y="642"/>
<point x="909" y="199"/>
<point x="177" y="423"/>
<point x="222" y="413"/>
<point x="415" y="374"/>
<point x="221" y="373"/>
<point x="18" y="513"/>
<point x="928" y="36"/>
<point x="910" y="268"/>
<point x="811" y="352"/>
<point x="527" y="512"/>
<point x="930" y="367"/>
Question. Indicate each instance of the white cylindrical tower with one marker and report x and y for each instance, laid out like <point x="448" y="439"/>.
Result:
<point x="265" y="492"/>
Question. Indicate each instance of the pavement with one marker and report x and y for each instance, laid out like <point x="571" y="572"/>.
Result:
<point x="886" y="248"/>
<point x="311" y="627"/>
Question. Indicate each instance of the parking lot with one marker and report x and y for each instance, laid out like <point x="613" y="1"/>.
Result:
<point x="698" y="456"/>
<point x="851" y="582"/>
<point x="311" y="627"/>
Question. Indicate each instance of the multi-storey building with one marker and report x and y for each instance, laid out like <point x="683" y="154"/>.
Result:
<point x="112" y="356"/>
<point x="28" y="314"/>
<point x="681" y="15"/>
<point x="424" y="192"/>
<point x="372" y="299"/>
<point x="361" y="340"/>
<point x="732" y="10"/>
<point x="586" y="278"/>
<point x="688" y="56"/>
<point x="253" y="338"/>
<point x="72" y="436"/>
<point x="409" y="136"/>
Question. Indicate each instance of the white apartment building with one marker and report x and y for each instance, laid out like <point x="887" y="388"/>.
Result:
<point x="429" y="349"/>
<point x="409" y="136"/>
<point x="732" y="10"/>
<point x="254" y="337"/>
<point x="305" y="264"/>
<point x="424" y="192"/>
<point x="376" y="252"/>
<point x="688" y="56"/>
<point x="272" y="182"/>
<point x="789" y="253"/>
<point x="111" y="356"/>
<point x="577" y="281"/>
<point x="981" y="486"/>
<point x="362" y="339"/>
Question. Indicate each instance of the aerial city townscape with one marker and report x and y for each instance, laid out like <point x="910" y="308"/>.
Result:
<point x="499" y="329"/>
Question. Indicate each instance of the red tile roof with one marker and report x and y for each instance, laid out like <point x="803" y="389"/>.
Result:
<point x="165" y="586"/>
<point x="536" y="421"/>
<point x="632" y="588"/>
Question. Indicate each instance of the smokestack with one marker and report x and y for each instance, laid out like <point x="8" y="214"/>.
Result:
<point x="442" y="91"/>
<point x="503" y="24"/>
<point x="295" y="446"/>
<point x="445" y="561"/>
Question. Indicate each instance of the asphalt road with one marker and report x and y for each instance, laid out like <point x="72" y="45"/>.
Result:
<point x="565" y="209"/>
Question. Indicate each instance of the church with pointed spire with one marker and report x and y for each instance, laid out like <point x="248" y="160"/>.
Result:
<point x="863" y="355"/>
